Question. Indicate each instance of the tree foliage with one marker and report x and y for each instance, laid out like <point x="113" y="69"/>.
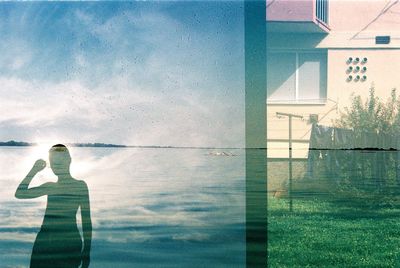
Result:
<point x="372" y="178"/>
<point x="372" y="115"/>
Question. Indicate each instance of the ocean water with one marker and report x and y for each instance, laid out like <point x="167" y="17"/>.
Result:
<point x="149" y="207"/>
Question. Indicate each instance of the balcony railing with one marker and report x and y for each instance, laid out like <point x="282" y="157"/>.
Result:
<point x="322" y="10"/>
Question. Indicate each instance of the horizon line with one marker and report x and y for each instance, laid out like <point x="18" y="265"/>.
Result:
<point x="112" y="145"/>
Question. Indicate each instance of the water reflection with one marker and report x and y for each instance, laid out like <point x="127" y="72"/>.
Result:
<point x="59" y="243"/>
<point x="175" y="207"/>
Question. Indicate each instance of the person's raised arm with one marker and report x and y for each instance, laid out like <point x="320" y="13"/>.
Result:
<point x="23" y="192"/>
<point x="86" y="226"/>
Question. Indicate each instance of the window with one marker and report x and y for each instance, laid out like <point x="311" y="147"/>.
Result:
<point x="296" y="77"/>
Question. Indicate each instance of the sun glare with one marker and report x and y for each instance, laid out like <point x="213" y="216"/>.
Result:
<point x="41" y="151"/>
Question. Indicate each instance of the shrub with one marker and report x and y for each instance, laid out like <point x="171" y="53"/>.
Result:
<point x="377" y="175"/>
<point x="363" y="179"/>
<point x="373" y="115"/>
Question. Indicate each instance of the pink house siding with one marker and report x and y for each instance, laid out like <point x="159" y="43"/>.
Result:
<point x="289" y="10"/>
<point x="299" y="16"/>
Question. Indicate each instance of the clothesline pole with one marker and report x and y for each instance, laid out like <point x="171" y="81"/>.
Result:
<point x="290" y="164"/>
<point x="290" y="116"/>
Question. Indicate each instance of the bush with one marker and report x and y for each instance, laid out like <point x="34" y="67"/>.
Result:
<point x="363" y="179"/>
<point x="373" y="115"/>
<point x="375" y="181"/>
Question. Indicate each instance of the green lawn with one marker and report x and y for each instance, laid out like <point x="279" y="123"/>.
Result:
<point x="323" y="234"/>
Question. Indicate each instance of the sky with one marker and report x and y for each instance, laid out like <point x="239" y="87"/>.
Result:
<point x="135" y="73"/>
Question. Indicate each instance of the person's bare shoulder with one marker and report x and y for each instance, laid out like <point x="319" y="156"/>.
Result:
<point x="81" y="186"/>
<point x="48" y="185"/>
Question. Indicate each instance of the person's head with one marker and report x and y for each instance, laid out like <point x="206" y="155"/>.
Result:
<point x="60" y="159"/>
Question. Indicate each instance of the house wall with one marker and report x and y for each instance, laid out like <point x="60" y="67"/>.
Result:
<point x="354" y="25"/>
<point x="289" y="10"/>
<point x="382" y="73"/>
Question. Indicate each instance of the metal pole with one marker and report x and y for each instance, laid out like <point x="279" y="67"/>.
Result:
<point x="290" y="116"/>
<point x="290" y="165"/>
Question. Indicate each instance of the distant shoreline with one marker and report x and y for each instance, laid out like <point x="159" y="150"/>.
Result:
<point x="26" y="144"/>
<point x="13" y="143"/>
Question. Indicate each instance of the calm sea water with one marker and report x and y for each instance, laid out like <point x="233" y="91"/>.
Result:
<point x="149" y="207"/>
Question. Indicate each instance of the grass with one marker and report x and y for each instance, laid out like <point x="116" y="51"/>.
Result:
<point x="324" y="234"/>
<point x="278" y="172"/>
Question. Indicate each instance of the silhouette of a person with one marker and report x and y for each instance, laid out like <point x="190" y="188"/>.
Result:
<point x="58" y="243"/>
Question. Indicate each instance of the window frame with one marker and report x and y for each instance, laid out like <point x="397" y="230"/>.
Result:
<point x="297" y="100"/>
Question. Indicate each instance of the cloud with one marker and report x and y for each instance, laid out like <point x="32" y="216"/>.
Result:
<point x="152" y="75"/>
<point x="112" y="113"/>
<point x="135" y="76"/>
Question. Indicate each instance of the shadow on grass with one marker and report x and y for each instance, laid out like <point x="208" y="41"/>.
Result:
<point x="328" y="206"/>
<point x="345" y="214"/>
